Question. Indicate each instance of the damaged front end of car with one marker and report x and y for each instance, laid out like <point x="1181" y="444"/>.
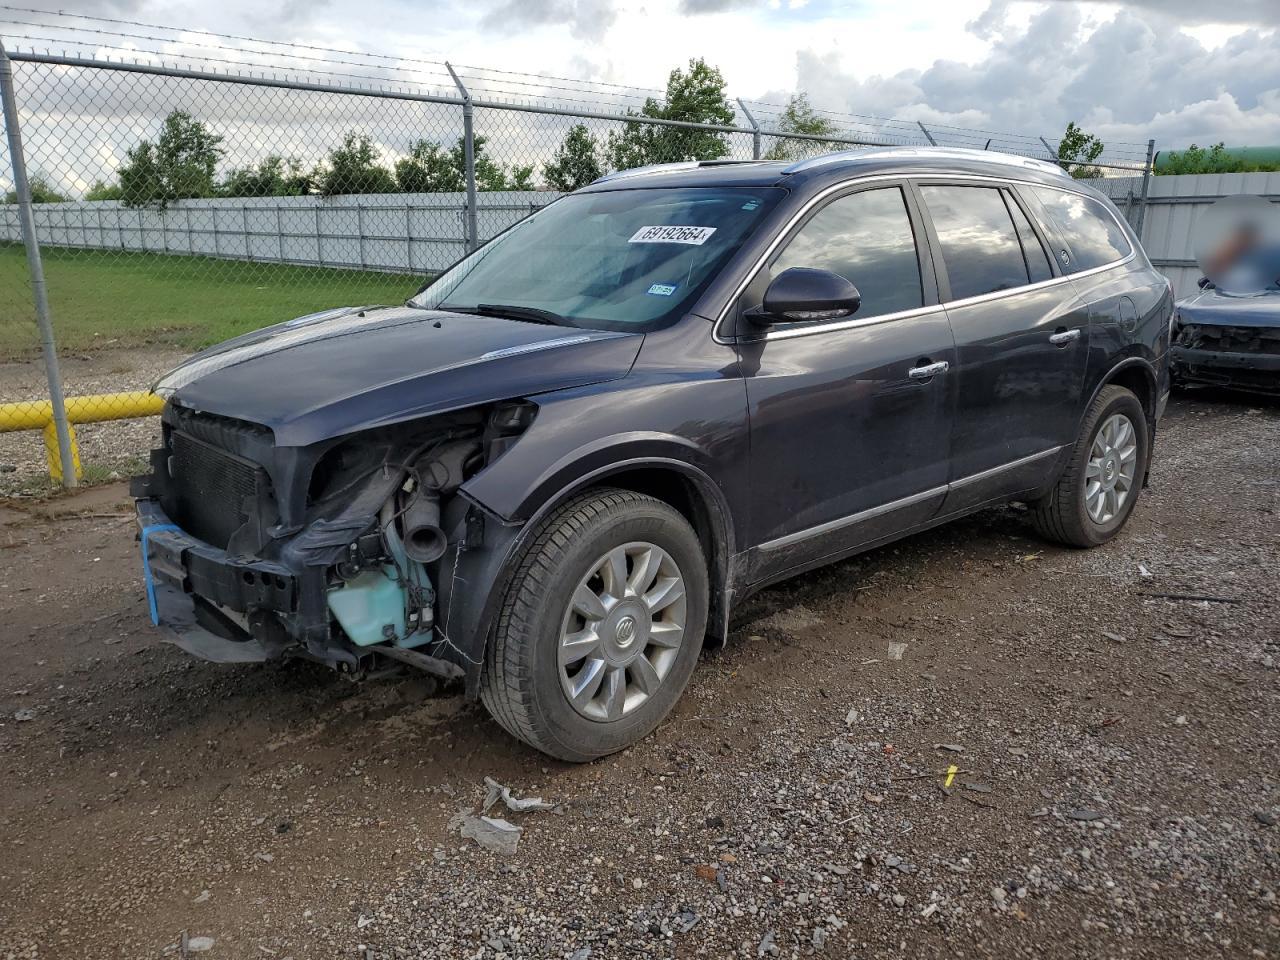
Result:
<point x="1229" y="341"/>
<point x="335" y="551"/>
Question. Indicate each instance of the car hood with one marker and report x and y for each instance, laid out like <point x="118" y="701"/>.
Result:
<point x="1215" y="308"/>
<point x="354" y="368"/>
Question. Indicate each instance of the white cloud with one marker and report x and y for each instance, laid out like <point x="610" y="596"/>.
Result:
<point x="1128" y="77"/>
<point x="1125" y="71"/>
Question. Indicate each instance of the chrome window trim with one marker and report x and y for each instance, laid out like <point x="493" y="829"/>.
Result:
<point x="719" y="335"/>
<point x="871" y="513"/>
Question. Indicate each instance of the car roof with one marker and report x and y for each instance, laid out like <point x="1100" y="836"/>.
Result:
<point x="835" y="167"/>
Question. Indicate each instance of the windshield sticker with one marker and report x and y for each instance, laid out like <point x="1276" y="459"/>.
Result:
<point x="663" y="289"/>
<point x="695" y="236"/>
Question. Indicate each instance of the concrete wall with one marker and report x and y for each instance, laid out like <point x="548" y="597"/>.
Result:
<point x="398" y="233"/>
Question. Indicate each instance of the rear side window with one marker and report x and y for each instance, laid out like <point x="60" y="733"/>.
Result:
<point x="1092" y="236"/>
<point x="1037" y="260"/>
<point x="866" y="238"/>
<point x="979" y="245"/>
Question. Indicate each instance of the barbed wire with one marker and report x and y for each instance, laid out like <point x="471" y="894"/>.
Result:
<point x="537" y="88"/>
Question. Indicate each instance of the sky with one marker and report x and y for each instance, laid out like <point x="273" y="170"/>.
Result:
<point x="1176" y="70"/>
<point x="1179" y="71"/>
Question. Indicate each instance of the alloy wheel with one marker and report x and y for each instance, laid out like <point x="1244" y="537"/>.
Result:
<point x="622" y="632"/>
<point x="1112" y="469"/>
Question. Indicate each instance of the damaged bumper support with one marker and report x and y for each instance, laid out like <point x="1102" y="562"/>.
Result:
<point x="199" y="597"/>
<point x="1247" y="370"/>
<point x="228" y="609"/>
<point x="232" y="610"/>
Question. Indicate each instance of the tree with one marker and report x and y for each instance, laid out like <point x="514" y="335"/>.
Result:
<point x="354" y="168"/>
<point x="1077" y="147"/>
<point x="521" y="177"/>
<point x="180" y="164"/>
<point x="41" y="191"/>
<point x="274" y="176"/>
<point x="1196" y="159"/>
<point x="575" y="163"/>
<point x="429" y="168"/>
<point x="141" y="180"/>
<point x="799" y="117"/>
<point x="101" y="190"/>
<point x="695" y="97"/>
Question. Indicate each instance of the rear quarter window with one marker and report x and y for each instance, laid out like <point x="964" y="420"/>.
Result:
<point x="1090" y="231"/>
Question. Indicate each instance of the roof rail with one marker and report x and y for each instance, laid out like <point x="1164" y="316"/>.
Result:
<point x="927" y="153"/>
<point x="656" y="167"/>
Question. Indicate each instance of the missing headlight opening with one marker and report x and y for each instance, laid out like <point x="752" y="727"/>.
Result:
<point x="332" y="553"/>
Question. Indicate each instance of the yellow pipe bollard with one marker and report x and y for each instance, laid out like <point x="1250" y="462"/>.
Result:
<point x="53" y="456"/>
<point x="93" y="408"/>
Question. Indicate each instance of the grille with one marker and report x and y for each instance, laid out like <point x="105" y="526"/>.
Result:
<point x="213" y="489"/>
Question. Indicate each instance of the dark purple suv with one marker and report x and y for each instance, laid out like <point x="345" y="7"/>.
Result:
<point x="557" y="469"/>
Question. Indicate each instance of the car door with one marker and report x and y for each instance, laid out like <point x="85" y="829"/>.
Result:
<point x="849" y="419"/>
<point x="1087" y="239"/>
<point x="1021" y="336"/>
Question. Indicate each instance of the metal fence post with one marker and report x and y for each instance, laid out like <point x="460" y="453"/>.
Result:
<point x="469" y="158"/>
<point x="26" y="218"/>
<point x="1053" y="154"/>
<point x="1146" y="187"/>
<point x="755" y="130"/>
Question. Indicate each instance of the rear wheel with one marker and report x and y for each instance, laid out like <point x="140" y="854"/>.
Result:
<point x="1101" y="483"/>
<point x="601" y="628"/>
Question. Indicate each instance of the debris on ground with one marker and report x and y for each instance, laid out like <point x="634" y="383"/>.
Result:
<point x="494" y="834"/>
<point x="1083" y="815"/>
<point x="496" y="791"/>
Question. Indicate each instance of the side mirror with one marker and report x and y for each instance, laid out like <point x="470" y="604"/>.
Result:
<point x="803" y="294"/>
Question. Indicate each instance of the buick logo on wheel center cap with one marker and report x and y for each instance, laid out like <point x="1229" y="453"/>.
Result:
<point x="625" y="631"/>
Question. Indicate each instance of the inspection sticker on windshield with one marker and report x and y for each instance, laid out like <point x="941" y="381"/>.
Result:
<point x="663" y="289"/>
<point x="695" y="236"/>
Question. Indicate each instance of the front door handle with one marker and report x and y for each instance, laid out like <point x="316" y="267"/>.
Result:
<point x="1060" y="337"/>
<point x="929" y="370"/>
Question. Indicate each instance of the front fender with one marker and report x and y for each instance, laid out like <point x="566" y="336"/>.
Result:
<point x="473" y="583"/>
<point x="581" y="465"/>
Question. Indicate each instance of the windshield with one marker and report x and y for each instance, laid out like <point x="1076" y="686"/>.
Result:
<point x="622" y="260"/>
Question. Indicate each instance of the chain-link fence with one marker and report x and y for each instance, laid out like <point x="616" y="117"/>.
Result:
<point x="177" y="206"/>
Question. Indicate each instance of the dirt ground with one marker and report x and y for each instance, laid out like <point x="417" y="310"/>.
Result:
<point x="1116" y="793"/>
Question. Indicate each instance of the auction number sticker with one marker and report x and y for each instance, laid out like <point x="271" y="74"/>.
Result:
<point x="694" y="236"/>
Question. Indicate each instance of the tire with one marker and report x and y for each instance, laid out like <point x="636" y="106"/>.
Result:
<point x="1064" y="515"/>
<point x="525" y="686"/>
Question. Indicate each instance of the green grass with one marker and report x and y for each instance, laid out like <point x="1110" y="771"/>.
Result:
<point x="106" y="298"/>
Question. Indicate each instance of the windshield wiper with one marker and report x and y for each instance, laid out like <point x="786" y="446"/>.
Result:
<point x="517" y="312"/>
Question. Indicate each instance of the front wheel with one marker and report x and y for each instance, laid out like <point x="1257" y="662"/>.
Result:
<point x="601" y="627"/>
<point x="1098" y="489"/>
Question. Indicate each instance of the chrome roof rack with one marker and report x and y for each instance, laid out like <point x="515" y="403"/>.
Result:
<point x="657" y="167"/>
<point x="927" y="153"/>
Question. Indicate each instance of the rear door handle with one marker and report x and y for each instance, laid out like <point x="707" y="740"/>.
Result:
<point x="929" y="370"/>
<point x="1060" y="337"/>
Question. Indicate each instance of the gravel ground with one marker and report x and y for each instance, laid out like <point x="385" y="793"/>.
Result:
<point x="117" y="445"/>
<point x="1116" y="787"/>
